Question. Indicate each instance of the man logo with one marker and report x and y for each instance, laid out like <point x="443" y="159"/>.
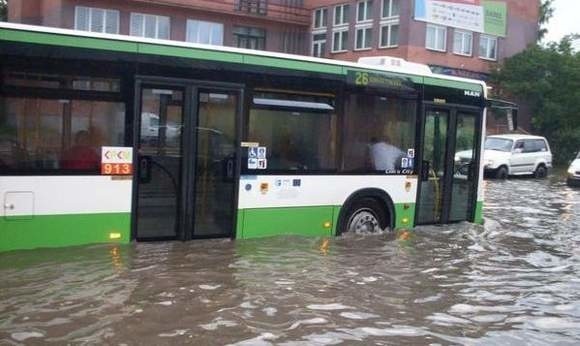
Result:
<point x="472" y="93"/>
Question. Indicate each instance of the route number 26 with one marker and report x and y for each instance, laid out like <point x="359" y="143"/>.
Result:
<point x="361" y="78"/>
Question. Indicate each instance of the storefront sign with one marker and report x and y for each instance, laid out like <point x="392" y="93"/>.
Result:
<point x="488" y="17"/>
<point x="116" y="160"/>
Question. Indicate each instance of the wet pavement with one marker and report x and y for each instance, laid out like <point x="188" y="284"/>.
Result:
<point x="514" y="281"/>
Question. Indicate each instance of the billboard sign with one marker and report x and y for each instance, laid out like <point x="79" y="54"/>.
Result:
<point x="488" y="17"/>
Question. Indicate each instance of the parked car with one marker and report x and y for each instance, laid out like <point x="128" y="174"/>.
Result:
<point x="574" y="172"/>
<point x="506" y="155"/>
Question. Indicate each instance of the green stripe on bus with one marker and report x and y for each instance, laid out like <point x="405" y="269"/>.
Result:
<point x="453" y="84"/>
<point x="191" y="53"/>
<point x="478" y="213"/>
<point x="63" y="230"/>
<point x="68" y="41"/>
<point x="305" y="221"/>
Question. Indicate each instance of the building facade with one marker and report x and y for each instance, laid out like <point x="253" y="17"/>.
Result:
<point x="418" y="31"/>
<point x="274" y="25"/>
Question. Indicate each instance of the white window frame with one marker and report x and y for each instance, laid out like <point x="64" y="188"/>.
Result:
<point x="91" y="9"/>
<point x="133" y="14"/>
<point x="365" y="28"/>
<point x="390" y="25"/>
<point x="341" y="33"/>
<point x="488" y="46"/>
<point x="390" y="2"/>
<point x="315" y="14"/>
<point x="437" y="30"/>
<point x="187" y="34"/>
<point x="344" y="21"/>
<point x="463" y="34"/>
<point x="367" y="11"/>
<point x="318" y="43"/>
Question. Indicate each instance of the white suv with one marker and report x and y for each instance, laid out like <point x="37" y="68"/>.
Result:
<point x="517" y="155"/>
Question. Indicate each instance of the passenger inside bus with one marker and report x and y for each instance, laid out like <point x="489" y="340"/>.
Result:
<point x="384" y="156"/>
<point x="81" y="156"/>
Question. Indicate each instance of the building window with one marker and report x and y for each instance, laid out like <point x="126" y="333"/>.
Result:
<point x="205" y="32"/>
<point x="436" y="38"/>
<point x="150" y="26"/>
<point x="319" y="45"/>
<point x="364" y="38"/>
<point x="488" y="47"/>
<point x="462" y="42"/>
<point x="364" y="11"/>
<point x="96" y="20"/>
<point x="390" y="8"/>
<point x="341" y="15"/>
<point x="389" y="35"/>
<point x="320" y="17"/>
<point x="251" y="38"/>
<point x="339" y="41"/>
<point x="252" y="6"/>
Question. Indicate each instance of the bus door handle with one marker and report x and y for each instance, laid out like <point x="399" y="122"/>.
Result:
<point x="426" y="167"/>
<point x="145" y="169"/>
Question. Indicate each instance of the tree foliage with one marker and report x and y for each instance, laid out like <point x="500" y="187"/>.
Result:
<point x="3" y="10"/>
<point x="546" y="13"/>
<point x="548" y="78"/>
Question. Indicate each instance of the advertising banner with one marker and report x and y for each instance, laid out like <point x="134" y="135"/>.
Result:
<point x="489" y="17"/>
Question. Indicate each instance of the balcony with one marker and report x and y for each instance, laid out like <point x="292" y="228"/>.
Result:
<point x="286" y="11"/>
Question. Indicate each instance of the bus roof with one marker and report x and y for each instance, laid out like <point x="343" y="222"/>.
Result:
<point x="138" y="45"/>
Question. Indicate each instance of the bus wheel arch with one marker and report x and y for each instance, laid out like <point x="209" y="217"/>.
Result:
<point x="363" y="204"/>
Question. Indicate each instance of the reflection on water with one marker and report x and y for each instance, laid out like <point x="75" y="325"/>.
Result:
<point x="514" y="281"/>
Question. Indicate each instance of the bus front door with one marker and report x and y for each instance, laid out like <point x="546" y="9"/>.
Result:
<point x="187" y="168"/>
<point x="448" y="166"/>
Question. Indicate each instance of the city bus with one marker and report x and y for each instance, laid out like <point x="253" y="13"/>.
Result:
<point x="113" y="139"/>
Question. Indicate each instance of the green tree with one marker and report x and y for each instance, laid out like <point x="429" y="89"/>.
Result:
<point x="548" y="78"/>
<point x="546" y="13"/>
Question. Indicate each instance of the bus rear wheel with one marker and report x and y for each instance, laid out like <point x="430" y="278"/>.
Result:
<point x="365" y="216"/>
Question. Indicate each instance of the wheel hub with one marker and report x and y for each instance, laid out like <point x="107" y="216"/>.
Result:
<point x="364" y="222"/>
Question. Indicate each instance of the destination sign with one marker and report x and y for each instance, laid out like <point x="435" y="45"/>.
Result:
<point x="378" y="80"/>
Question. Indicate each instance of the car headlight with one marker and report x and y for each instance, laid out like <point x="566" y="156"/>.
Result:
<point x="457" y="158"/>
<point x="489" y="162"/>
<point x="571" y="170"/>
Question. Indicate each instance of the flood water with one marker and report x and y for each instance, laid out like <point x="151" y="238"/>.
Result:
<point x="514" y="281"/>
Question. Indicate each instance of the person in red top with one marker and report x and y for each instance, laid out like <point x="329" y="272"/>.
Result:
<point x="82" y="156"/>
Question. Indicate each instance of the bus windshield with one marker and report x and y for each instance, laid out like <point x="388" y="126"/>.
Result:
<point x="498" y="144"/>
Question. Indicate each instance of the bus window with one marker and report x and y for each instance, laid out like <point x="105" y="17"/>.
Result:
<point x="297" y="130"/>
<point x="379" y="133"/>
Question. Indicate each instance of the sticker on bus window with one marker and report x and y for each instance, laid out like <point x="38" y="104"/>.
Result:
<point x="404" y="163"/>
<point x="252" y="152"/>
<point x="261" y="152"/>
<point x="411" y="153"/>
<point x="252" y="163"/>
<point x="116" y="160"/>
<point x="262" y="163"/>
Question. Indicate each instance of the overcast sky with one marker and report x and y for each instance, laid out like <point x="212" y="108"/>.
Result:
<point x="566" y="20"/>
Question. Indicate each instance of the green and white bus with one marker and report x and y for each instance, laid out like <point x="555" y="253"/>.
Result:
<point x="108" y="138"/>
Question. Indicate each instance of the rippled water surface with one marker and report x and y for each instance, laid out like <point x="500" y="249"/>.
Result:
<point x="515" y="281"/>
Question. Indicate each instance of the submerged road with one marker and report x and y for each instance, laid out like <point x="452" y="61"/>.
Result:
<point x="514" y="281"/>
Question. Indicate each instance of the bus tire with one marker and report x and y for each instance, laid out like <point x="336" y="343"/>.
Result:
<point x="501" y="173"/>
<point x="541" y="172"/>
<point x="364" y="215"/>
